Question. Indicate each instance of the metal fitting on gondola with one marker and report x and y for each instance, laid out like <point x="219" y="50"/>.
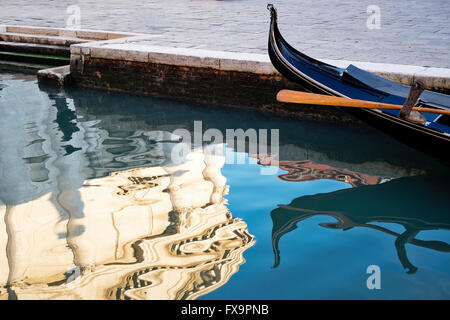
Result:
<point x="406" y="112"/>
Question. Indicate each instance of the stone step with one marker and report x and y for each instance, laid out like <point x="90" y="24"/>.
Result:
<point x="64" y="32"/>
<point x="22" y="66"/>
<point x="59" y="75"/>
<point x="40" y="39"/>
<point x="35" y="58"/>
<point x="34" y="48"/>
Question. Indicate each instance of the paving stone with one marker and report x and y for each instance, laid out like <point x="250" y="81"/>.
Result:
<point x="335" y="28"/>
<point x="111" y="53"/>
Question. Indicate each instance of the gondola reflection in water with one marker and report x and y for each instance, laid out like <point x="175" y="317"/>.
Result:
<point x="415" y="203"/>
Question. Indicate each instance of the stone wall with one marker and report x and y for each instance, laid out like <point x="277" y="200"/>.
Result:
<point x="207" y="86"/>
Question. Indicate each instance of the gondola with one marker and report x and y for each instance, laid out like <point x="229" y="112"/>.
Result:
<point x="352" y="82"/>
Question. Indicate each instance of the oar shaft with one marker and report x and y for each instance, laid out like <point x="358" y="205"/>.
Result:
<point x="319" y="99"/>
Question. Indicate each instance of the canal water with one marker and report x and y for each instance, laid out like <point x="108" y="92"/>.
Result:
<point x="94" y="205"/>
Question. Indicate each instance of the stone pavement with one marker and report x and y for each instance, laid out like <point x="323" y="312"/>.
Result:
<point x="413" y="32"/>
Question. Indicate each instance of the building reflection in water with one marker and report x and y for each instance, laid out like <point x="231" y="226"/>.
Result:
<point x="92" y="213"/>
<point x="160" y="232"/>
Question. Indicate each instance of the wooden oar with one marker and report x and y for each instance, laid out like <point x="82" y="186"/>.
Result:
<point x="319" y="99"/>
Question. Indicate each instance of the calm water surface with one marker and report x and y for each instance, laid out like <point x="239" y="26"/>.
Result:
<point x="92" y="206"/>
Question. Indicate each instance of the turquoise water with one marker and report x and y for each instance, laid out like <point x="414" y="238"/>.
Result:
<point x="93" y="207"/>
<point x="321" y="263"/>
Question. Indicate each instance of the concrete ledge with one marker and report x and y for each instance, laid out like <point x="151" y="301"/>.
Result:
<point x="40" y="39"/>
<point x="59" y="75"/>
<point x="140" y="49"/>
<point x="65" y="32"/>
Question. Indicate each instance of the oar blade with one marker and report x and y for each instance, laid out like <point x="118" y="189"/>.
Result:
<point x="291" y="96"/>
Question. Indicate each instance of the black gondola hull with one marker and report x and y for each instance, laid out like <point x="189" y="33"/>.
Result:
<point x="321" y="78"/>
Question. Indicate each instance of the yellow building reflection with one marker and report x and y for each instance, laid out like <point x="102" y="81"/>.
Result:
<point x="160" y="232"/>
